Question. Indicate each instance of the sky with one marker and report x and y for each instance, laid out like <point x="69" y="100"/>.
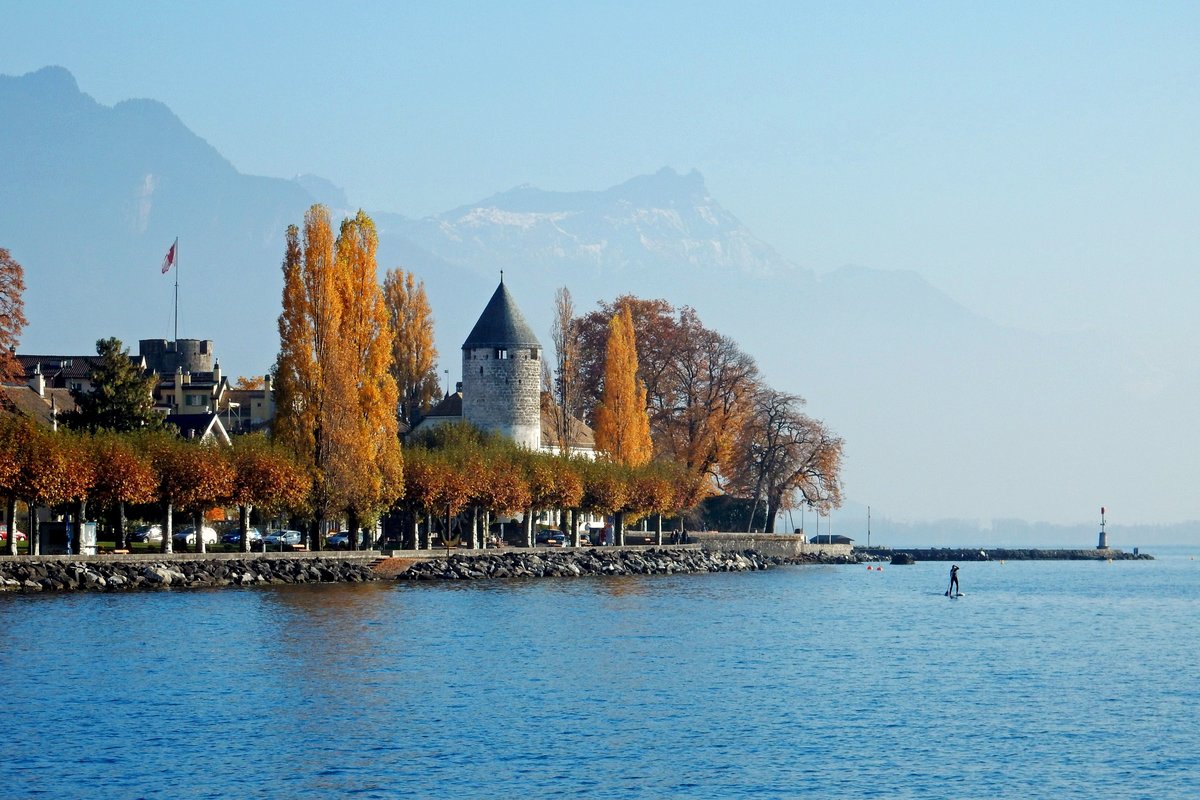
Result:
<point x="1036" y="162"/>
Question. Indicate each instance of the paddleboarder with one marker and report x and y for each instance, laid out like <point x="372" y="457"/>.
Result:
<point x="953" y="581"/>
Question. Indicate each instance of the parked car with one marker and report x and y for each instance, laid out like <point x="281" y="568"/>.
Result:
<point x="551" y="538"/>
<point x="281" y="539"/>
<point x="186" y="537"/>
<point x="235" y="536"/>
<point x="146" y="533"/>
<point x="21" y="537"/>
<point x="341" y="541"/>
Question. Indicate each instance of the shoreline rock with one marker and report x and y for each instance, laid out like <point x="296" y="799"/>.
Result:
<point x="599" y="561"/>
<point x="110" y="575"/>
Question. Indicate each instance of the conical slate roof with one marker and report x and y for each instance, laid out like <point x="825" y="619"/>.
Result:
<point x="501" y="324"/>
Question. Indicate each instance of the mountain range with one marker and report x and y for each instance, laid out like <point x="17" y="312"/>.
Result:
<point x="945" y="413"/>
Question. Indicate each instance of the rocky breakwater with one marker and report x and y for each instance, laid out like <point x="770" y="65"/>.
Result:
<point x="114" y="575"/>
<point x="595" y="561"/>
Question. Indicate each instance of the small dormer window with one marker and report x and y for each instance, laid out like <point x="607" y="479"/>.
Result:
<point x="501" y="352"/>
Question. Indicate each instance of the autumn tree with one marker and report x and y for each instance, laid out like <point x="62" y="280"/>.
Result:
<point x="265" y="476"/>
<point x="413" y="355"/>
<point x="120" y="396"/>
<point x="53" y="467"/>
<point x="13" y="430"/>
<point x="366" y="456"/>
<point x="566" y="381"/>
<point x="124" y="475"/>
<point x="12" y="315"/>
<point x="336" y="400"/>
<point x="251" y="383"/>
<point x="193" y="476"/>
<point x="782" y="452"/>
<point x="622" y="427"/>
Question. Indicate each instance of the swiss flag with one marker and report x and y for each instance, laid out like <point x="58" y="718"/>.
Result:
<point x="169" y="258"/>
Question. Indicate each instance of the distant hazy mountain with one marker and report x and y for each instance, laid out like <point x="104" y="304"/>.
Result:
<point x="939" y="407"/>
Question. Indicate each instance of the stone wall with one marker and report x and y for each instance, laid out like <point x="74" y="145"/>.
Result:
<point x="504" y="394"/>
<point x="770" y="544"/>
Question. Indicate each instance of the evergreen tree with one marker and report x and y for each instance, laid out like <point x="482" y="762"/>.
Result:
<point x="120" y="398"/>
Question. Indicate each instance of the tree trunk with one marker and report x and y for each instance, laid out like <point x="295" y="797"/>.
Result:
<point x="529" y="527"/>
<point x="352" y="523"/>
<point x="773" y="504"/>
<point x="658" y="530"/>
<point x="122" y="539"/>
<point x="475" y="527"/>
<point x="167" y="533"/>
<point x="428" y="544"/>
<point x="314" y="533"/>
<point x="10" y="509"/>
<point x="412" y="527"/>
<point x="244" y="527"/>
<point x="199" y="522"/>
<point x="35" y="531"/>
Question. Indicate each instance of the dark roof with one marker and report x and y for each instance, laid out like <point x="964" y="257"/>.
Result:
<point x="501" y="324"/>
<point x="195" y="426"/>
<point x="450" y="406"/>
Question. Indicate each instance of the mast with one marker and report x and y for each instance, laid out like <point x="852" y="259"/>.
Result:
<point x="176" y="338"/>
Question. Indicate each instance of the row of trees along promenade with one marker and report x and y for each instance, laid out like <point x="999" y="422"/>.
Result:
<point x="679" y="413"/>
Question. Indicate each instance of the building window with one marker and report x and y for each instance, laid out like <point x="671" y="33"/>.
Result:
<point x="501" y="352"/>
<point x="193" y="400"/>
<point x="75" y="386"/>
<point x="533" y="353"/>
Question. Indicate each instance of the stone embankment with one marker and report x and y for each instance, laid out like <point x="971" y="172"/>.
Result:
<point x="116" y="575"/>
<point x="908" y="555"/>
<point x="599" y="561"/>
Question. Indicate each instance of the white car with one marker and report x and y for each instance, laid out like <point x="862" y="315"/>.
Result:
<point x="186" y="537"/>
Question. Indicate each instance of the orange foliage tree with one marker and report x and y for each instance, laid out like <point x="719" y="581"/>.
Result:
<point x="13" y="430"/>
<point x="192" y="477"/>
<point x="124" y="474"/>
<point x="365" y="460"/>
<point x="308" y="330"/>
<point x="414" y="356"/>
<point x="264" y="476"/>
<point x="622" y="427"/>
<point x="12" y="315"/>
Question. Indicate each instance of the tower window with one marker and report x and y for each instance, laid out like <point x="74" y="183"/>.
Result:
<point x="501" y="352"/>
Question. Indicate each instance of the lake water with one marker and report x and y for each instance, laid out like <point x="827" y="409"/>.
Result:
<point x="1048" y="679"/>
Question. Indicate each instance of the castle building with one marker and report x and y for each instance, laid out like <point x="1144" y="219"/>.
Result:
<point x="501" y="388"/>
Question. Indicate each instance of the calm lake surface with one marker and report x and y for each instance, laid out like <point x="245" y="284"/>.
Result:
<point x="1048" y="679"/>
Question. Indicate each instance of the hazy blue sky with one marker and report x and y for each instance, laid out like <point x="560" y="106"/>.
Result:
<point x="1036" y="161"/>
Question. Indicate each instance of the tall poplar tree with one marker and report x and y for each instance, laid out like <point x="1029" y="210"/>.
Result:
<point x="565" y="336"/>
<point x="622" y="426"/>
<point x="366" y="459"/>
<point x="414" y="356"/>
<point x="309" y="327"/>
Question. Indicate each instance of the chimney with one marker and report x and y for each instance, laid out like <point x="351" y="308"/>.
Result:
<point x="38" y="381"/>
<point x="217" y="373"/>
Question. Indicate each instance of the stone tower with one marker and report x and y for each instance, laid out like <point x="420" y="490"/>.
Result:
<point x="502" y="373"/>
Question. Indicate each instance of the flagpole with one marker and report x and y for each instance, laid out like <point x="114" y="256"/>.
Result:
<point x="176" y="288"/>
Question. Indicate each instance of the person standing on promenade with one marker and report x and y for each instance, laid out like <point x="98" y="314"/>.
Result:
<point x="953" y="581"/>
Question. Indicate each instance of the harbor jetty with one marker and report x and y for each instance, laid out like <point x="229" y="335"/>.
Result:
<point x="909" y="555"/>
